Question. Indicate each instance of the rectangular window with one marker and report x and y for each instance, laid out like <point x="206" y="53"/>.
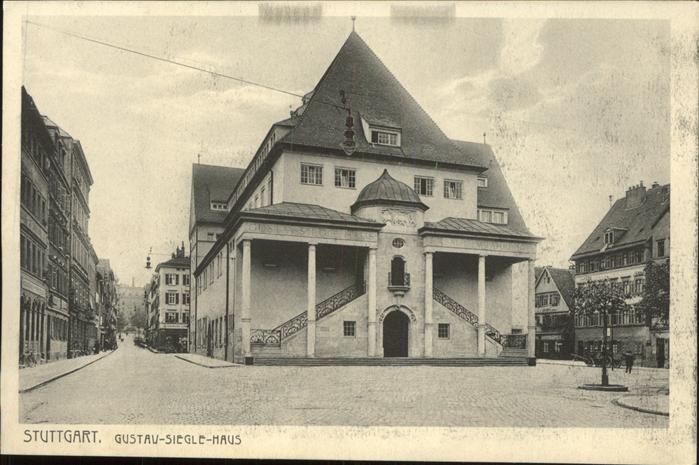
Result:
<point x="485" y="216"/>
<point x="482" y="181"/>
<point x="452" y="189"/>
<point x="661" y="248"/>
<point x="170" y="317"/>
<point x="185" y="280"/>
<point x="443" y="330"/>
<point x="546" y="347"/>
<point x="345" y="177"/>
<point x="172" y="298"/>
<point x="384" y="137"/>
<point x="424" y="185"/>
<point x="311" y="174"/>
<point x="185" y="298"/>
<point x="348" y="328"/>
<point x="555" y="299"/>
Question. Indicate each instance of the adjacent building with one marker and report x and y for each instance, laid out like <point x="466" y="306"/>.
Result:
<point x="359" y="229"/>
<point x="555" y="332"/>
<point x="130" y="299"/>
<point x="107" y="301"/>
<point x="168" y="304"/>
<point x="36" y="152"/>
<point x="634" y="231"/>
<point x="58" y="263"/>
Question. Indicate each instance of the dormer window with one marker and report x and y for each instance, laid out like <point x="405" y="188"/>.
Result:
<point x="384" y="136"/>
<point x="219" y="206"/>
<point x="482" y="181"/>
<point x="493" y="216"/>
<point x="609" y="237"/>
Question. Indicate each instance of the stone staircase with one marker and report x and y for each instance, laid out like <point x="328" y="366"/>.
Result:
<point x="398" y="361"/>
<point x="513" y="345"/>
<point x="260" y="338"/>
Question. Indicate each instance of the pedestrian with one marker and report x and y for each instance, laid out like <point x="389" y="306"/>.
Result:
<point x="628" y="357"/>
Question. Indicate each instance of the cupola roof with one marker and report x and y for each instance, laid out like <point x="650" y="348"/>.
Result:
<point x="387" y="190"/>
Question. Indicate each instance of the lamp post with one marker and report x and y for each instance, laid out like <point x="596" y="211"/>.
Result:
<point x="605" y="376"/>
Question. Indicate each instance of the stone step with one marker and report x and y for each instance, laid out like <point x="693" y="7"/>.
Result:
<point x="346" y="361"/>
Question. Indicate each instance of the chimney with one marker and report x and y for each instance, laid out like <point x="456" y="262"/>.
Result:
<point x="635" y="196"/>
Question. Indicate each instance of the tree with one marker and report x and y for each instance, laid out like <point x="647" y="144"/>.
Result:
<point x="603" y="298"/>
<point x="138" y="318"/>
<point x="655" y="303"/>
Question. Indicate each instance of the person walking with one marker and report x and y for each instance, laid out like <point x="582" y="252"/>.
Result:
<point x="628" y="357"/>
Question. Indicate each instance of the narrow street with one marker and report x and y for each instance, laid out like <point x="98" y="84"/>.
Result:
<point x="135" y="386"/>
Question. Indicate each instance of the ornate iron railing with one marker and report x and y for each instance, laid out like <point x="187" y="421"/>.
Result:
<point x="273" y="337"/>
<point x="493" y="333"/>
<point x="514" y="341"/>
<point x="292" y="326"/>
<point x="265" y="337"/>
<point x="397" y="283"/>
<point x="340" y="299"/>
<point x="460" y="311"/>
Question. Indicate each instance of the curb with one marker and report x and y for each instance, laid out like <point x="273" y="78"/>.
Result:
<point x="206" y="366"/>
<point x="45" y="382"/>
<point x="619" y="403"/>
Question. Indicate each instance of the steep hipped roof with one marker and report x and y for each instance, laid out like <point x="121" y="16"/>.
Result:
<point x="377" y="97"/>
<point x="497" y="194"/>
<point x="636" y="223"/>
<point x="210" y="182"/>
<point x="31" y="117"/>
<point x="386" y="189"/>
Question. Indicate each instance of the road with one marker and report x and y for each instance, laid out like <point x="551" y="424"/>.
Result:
<point x="135" y="386"/>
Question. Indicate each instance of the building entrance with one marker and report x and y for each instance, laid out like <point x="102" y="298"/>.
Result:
<point x="396" y="328"/>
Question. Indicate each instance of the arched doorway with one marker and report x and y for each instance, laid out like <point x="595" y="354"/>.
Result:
<point x="396" y="330"/>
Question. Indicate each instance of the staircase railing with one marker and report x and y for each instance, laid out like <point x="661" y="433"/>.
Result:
<point x="460" y="311"/>
<point x="515" y="341"/>
<point x="274" y="337"/>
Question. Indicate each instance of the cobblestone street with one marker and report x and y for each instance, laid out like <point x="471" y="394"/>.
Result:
<point x="134" y="385"/>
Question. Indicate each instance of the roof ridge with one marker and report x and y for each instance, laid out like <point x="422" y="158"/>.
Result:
<point x="390" y="73"/>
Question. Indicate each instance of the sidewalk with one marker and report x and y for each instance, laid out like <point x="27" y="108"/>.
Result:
<point x="207" y="362"/>
<point x="658" y="404"/>
<point x="32" y="378"/>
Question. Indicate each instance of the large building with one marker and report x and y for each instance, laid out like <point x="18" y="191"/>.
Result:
<point x="554" y="304"/>
<point x="37" y="149"/>
<point x="211" y="187"/>
<point x="168" y="304"/>
<point x="130" y="299"/>
<point x="58" y="309"/>
<point x="634" y="231"/>
<point x="359" y="229"/>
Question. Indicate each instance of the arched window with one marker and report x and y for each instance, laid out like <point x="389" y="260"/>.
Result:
<point x="397" y="271"/>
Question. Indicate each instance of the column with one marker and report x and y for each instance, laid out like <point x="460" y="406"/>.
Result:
<point x="230" y="298"/>
<point x="245" y="308"/>
<point x="531" y="316"/>
<point x="481" y="306"/>
<point x="371" y="306"/>
<point x="311" y="302"/>
<point x="429" y="330"/>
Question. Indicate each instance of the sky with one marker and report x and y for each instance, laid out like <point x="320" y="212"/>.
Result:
<point x="575" y="110"/>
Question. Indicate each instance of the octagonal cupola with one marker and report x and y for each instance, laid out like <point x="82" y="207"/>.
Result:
<point x="392" y="202"/>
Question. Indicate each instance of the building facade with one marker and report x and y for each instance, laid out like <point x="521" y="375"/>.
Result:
<point x="360" y="230"/>
<point x="130" y="299"/>
<point x="634" y="231"/>
<point x="58" y="262"/>
<point x="555" y="335"/>
<point x="36" y="151"/>
<point x="107" y="304"/>
<point x="168" y="304"/>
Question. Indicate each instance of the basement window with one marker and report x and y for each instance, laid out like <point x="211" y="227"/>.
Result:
<point x="443" y="331"/>
<point x="349" y="328"/>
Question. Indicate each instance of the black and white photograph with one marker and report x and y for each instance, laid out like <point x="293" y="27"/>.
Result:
<point x="447" y="219"/>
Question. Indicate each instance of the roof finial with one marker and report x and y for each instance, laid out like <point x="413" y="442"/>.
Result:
<point x="198" y="158"/>
<point x="354" y="18"/>
<point x="484" y="143"/>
